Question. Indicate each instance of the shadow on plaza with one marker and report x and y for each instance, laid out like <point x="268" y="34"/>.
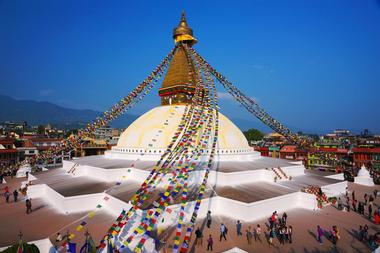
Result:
<point x="355" y="235"/>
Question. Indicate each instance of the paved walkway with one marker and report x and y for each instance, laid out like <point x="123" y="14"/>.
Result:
<point x="44" y="222"/>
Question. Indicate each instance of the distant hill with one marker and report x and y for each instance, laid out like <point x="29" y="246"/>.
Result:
<point x="42" y="113"/>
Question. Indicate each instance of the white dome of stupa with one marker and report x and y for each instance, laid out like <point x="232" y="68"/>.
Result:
<point x="148" y="137"/>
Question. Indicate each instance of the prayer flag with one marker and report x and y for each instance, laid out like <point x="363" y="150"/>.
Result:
<point x="72" y="247"/>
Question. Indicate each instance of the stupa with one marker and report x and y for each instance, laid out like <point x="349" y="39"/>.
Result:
<point x="241" y="182"/>
<point x="148" y="137"/>
<point x="363" y="177"/>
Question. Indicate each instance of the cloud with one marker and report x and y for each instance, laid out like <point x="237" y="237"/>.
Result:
<point x="225" y="96"/>
<point x="228" y="97"/>
<point x="46" y="92"/>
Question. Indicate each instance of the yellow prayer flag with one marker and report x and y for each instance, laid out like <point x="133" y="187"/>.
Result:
<point x="79" y="228"/>
<point x="91" y="214"/>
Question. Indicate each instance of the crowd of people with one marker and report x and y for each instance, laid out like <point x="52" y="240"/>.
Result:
<point x="353" y="204"/>
<point x="372" y="240"/>
<point x="7" y="195"/>
<point x="7" y="172"/>
<point x="278" y="232"/>
<point x="276" y="227"/>
<point x="332" y="235"/>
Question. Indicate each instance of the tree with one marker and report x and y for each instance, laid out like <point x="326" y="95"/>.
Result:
<point x="253" y="135"/>
<point x="41" y="129"/>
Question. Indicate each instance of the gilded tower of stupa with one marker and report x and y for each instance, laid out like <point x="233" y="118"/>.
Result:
<point x="179" y="83"/>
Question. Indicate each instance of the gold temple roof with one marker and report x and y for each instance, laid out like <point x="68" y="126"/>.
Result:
<point x="180" y="72"/>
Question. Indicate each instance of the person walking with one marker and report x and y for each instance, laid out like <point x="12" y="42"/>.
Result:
<point x="319" y="234"/>
<point x="271" y="236"/>
<point x="337" y="235"/>
<point x="7" y="195"/>
<point x="340" y="204"/>
<point x="58" y="238"/>
<point x="223" y="232"/>
<point x="238" y="228"/>
<point x="28" y="206"/>
<point x="370" y="210"/>
<point x="365" y="232"/>
<point x="210" y="242"/>
<point x="272" y="219"/>
<point x="281" y="235"/>
<point x="290" y="233"/>
<point x="354" y="202"/>
<point x="248" y="234"/>
<point x="365" y="199"/>
<point x="361" y="233"/>
<point x="284" y="218"/>
<point x="208" y="219"/>
<point x="15" y="195"/>
<point x="370" y="199"/>
<point x="258" y="233"/>
<point x="348" y="204"/>
<point x="198" y="237"/>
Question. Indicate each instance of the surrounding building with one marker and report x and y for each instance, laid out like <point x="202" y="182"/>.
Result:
<point x="292" y="152"/>
<point x="92" y="147"/>
<point x="326" y="158"/>
<point x="27" y="150"/>
<point x="366" y="156"/>
<point x="8" y="152"/>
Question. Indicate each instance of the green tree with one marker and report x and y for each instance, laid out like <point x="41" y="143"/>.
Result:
<point x="41" y="129"/>
<point x="253" y="135"/>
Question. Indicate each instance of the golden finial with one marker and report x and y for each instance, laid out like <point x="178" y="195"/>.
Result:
<point x="183" y="32"/>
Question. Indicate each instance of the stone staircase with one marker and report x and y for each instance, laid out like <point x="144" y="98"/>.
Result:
<point x="72" y="170"/>
<point x="280" y="174"/>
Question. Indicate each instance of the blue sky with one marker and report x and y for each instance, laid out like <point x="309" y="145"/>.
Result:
<point x="314" y="65"/>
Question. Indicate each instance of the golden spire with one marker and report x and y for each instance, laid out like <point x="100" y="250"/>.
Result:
<point x="183" y="32"/>
<point x="179" y="83"/>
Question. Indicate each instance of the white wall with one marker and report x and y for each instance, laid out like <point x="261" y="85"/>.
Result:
<point x="80" y="203"/>
<point x="222" y="179"/>
<point x="294" y="171"/>
<point x="336" y="189"/>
